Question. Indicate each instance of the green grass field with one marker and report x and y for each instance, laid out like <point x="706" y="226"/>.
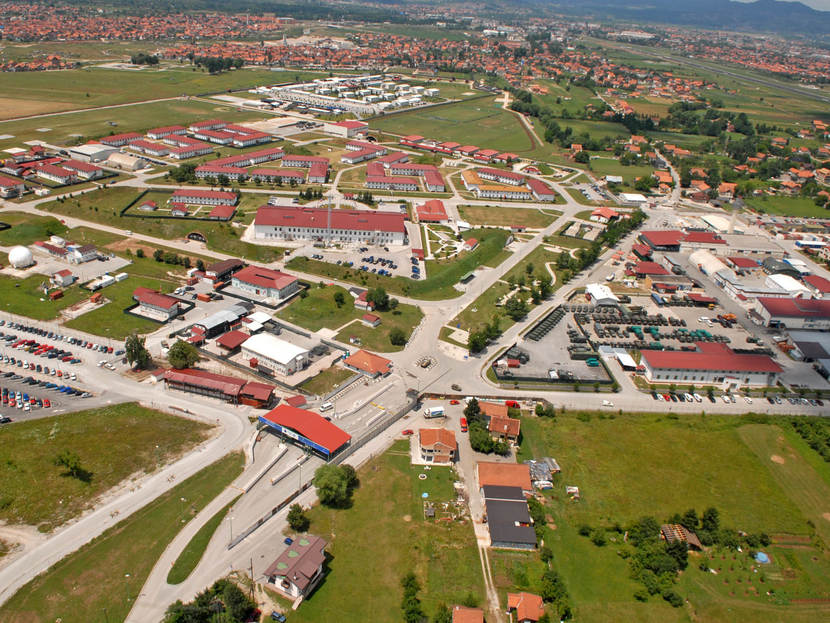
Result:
<point x="27" y="228"/>
<point x="89" y="87"/>
<point x="326" y="381"/>
<point x="101" y="580"/>
<point x="483" y="310"/>
<point x="442" y="275"/>
<point x="495" y="127"/>
<point x="385" y="529"/>
<point x="195" y="549"/>
<point x="505" y="217"/>
<point x="104" y="206"/>
<point x="627" y="466"/>
<point x="611" y="166"/>
<point x="112" y="443"/>
<point x="319" y="310"/>
<point x="788" y="206"/>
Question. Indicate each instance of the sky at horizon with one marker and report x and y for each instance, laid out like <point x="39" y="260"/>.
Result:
<point x="819" y="5"/>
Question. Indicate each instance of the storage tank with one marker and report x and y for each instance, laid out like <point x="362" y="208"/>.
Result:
<point x="20" y="257"/>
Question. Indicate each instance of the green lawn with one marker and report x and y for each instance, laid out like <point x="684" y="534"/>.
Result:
<point x="27" y="228"/>
<point x="495" y="127"/>
<point x="385" y="529"/>
<point x="109" y="320"/>
<point x="611" y="166"/>
<point x="500" y="216"/>
<point x="195" y="549"/>
<point x="104" y="206"/>
<point x="25" y="297"/>
<point x="483" y="309"/>
<point x="112" y="443"/>
<point x="442" y="275"/>
<point x="627" y="466"/>
<point x="537" y="259"/>
<point x="319" y="310"/>
<point x="102" y="579"/>
<point x="788" y="206"/>
<point x="326" y="381"/>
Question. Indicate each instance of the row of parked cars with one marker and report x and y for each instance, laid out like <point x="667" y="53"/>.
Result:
<point x="58" y="337"/>
<point x="21" y="400"/>
<point x="733" y="399"/>
<point x="36" y="367"/>
<point x="63" y="389"/>
<point x="39" y="349"/>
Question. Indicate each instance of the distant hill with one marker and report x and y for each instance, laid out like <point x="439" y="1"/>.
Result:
<point x="762" y="15"/>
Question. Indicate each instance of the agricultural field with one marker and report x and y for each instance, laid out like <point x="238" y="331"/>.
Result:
<point x="112" y="444"/>
<point x="783" y="491"/>
<point x="495" y="127"/>
<point x="102" y="580"/>
<point x="501" y="216"/>
<point x="386" y="524"/>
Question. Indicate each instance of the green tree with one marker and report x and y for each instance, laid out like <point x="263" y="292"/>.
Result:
<point x="158" y="255"/>
<point x="397" y="337"/>
<point x="379" y="298"/>
<point x="136" y="353"/>
<point x="442" y="614"/>
<point x="72" y="462"/>
<point x="339" y="298"/>
<point x="139" y="252"/>
<point x="332" y="484"/>
<point x="516" y="308"/>
<point x="297" y="519"/>
<point x="710" y="521"/>
<point x="182" y="355"/>
<point x="477" y="341"/>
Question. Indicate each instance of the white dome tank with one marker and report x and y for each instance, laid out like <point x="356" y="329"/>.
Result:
<point x="20" y="257"/>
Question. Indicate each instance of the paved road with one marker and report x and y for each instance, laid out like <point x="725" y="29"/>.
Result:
<point x="233" y="429"/>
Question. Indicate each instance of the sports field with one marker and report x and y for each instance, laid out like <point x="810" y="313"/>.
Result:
<point x="481" y="121"/>
<point x="628" y="466"/>
<point x="501" y="216"/>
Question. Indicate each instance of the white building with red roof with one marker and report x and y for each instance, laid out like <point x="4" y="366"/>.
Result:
<point x="291" y="223"/>
<point x="266" y="283"/>
<point x="10" y="187"/>
<point x="156" y="305"/>
<point x="794" y="313"/>
<point x="712" y="362"/>
<point x="192" y="196"/>
<point x="432" y="211"/>
<point x="83" y="170"/>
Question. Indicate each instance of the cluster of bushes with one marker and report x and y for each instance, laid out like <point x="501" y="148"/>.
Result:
<point x="215" y="65"/>
<point x="480" y="439"/>
<point x="655" y="562"/>
<point x="335" y="484"/>
<point x="168" y="257"/>
<point x="816" y="433"/>
<point x="477" y="341"/>
<point x="365" y="198"/>
<point x="144" y="59"/>
<point x="311" y="194"/>
<point x="224" y="601"/>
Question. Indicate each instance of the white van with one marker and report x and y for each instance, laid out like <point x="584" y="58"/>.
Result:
<point x="326" y="406"/>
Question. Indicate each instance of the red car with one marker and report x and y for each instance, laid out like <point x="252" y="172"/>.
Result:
<point x="408" y="432"/>
<point x="463" y="425"/>
<point x="512" y="404"/>
<point x="454" y="402"/>
<point x="46" y="403"/>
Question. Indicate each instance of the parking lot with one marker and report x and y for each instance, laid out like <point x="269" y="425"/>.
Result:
<point x="43" y="395"/>
<point x="389" y="261"/>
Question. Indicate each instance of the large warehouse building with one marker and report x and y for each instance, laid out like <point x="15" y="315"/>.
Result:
<point x="266" y="283"/>
<point x="324" y="225"/>
<point x="794" y="313"/>
<point x="270" y="354"/>
<point x="307" y="429"/>
<point x="713" y="362"/>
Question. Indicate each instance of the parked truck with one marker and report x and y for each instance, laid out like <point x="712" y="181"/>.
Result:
<point x="431" y="412"/>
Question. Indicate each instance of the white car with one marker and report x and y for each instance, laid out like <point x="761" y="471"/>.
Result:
<point x="726" y="399"/>
<point x="697" y="397"/>
<point x="748" y="400"/>
<point x="688" y="397"/>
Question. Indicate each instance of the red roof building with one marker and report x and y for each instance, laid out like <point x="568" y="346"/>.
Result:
<point x="712" y="362"/>
<point x="308" y="429"/>
<point x="368" y="363"/>
<point x="432" y="211"/>
<point x="529" y="607"/>
<point x="232" y="340"/>
<point x="304" y="223"/>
